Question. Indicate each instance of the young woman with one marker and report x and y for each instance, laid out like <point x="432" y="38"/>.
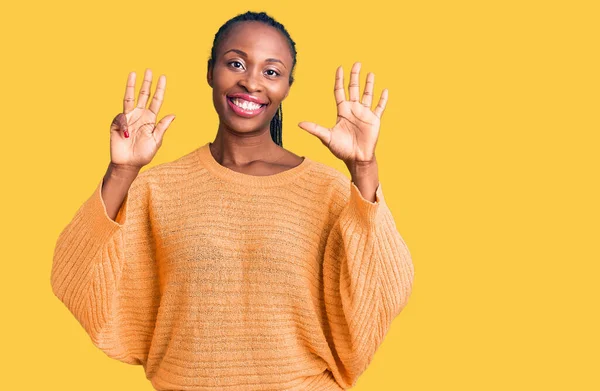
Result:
<point x="240" y="265"/>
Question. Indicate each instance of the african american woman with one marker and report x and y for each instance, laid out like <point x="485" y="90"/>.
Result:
<point x="240" y="265"/>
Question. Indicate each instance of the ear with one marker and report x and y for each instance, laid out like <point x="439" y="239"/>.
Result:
<point x="209" y="76"/>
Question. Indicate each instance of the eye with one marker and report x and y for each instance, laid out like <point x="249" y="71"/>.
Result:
<point x="235" y="62"/>
<point x="275" y="73"/>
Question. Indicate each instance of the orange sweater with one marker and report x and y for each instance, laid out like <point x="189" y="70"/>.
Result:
<point x="217" y="280"/>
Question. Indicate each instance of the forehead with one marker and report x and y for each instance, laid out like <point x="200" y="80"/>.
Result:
<point x="258" y="40"/>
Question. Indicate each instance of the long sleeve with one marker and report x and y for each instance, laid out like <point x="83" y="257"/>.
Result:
<point x="104" y="271"/>
<point x="368" y="276"/>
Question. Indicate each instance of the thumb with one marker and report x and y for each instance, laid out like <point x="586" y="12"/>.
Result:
<point x="321" y="132"/>
<point x="119" y="123"/>
<point x="162" y="126"/>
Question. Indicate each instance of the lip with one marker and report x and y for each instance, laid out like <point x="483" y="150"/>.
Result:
<point x="240" y="111"/>
<point x="247" y="97"/>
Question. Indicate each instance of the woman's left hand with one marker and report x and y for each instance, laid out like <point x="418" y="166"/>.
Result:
<point x="354" y="136"/>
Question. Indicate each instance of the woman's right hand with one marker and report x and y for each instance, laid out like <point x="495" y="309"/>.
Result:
<point x="134" y="135"/>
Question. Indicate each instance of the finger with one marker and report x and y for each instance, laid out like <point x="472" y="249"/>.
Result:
<point x="158" y="94"/>
<point x="129" y="99"/>
<point x="119" y="124"/>
<point x="367" y="98"/>
<point x="338" y="88"/>
<point x="162" y="127"/>
<point x="321" y="132"/>
<point x="381" y="105"/>
<point x="145" y="89"/>
<point x="353" y="85"/>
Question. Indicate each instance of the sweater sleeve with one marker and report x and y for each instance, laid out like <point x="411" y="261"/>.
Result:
<point x="104" y="271"/>
<point x="368" y="275"/>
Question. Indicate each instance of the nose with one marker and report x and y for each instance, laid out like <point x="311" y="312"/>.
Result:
<point x="250" y="81"/>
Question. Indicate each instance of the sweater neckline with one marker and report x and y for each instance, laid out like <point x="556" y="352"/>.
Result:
<point x="228" y="175"/>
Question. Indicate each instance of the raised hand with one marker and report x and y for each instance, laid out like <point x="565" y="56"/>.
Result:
<point x="354" y="135"/>
<point x="134" y="135"/>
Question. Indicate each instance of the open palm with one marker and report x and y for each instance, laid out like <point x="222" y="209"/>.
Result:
<point x="354" y="136"/>
<point x="135" y="137"/>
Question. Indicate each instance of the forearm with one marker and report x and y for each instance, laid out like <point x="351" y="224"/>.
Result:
<point x="366" y="177"/>
<point x="115" y="185"/>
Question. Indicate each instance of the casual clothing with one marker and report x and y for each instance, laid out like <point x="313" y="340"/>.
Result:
<point x="217" y="280"/>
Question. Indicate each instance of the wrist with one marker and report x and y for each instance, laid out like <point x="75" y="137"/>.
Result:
<point x="123" y="171"/>
<point x="363" y="169"/>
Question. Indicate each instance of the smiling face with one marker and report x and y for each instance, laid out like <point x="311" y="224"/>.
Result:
<point x="250" y="75"/>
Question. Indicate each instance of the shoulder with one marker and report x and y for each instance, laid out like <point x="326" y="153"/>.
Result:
<point x="333" y="184"/>
<point x="170" y="172"/>
<point x="322" y="172"/>
<point x="328" y="174"/>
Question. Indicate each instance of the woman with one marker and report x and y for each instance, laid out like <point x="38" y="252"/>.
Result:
<point x="240" y="265"/>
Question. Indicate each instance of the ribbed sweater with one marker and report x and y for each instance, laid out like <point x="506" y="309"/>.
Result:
<point x="214" y="279"/>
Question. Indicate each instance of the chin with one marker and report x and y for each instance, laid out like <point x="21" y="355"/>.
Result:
<point x="242" y="125"/>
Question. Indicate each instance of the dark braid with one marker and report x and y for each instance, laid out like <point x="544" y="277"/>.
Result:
<point x="276" y="126"/>
<point x="277" y="121"/>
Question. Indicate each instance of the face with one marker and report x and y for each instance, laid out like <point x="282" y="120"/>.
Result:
<point x="250" y="75"/>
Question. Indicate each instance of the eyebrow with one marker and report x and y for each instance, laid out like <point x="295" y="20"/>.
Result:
<point x="242" y="53"/>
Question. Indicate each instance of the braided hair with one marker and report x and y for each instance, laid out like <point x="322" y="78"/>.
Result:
<point x="277" y="121"/>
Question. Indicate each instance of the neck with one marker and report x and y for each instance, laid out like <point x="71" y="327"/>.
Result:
<point x="234" y="149"/>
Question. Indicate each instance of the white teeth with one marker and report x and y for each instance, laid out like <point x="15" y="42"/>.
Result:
<point x="244" y="104"/>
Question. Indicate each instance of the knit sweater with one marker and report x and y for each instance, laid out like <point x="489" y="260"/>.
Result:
<point x="212" y="279"/>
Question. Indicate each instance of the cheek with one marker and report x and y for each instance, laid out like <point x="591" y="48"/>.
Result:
<point x="279" y="92"/>
<point x="276" y="96"/>
<point x="221" y="79"/>
<point x="220" y="84"/>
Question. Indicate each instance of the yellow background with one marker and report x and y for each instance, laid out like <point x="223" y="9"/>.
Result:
<point x="488" y="154"/>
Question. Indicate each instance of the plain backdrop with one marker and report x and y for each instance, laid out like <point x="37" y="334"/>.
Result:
<point x="488" y="155"/>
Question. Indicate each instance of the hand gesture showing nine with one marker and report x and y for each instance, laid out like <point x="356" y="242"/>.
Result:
<point x="134" y="135"/>
<point x="354" y="135"/>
